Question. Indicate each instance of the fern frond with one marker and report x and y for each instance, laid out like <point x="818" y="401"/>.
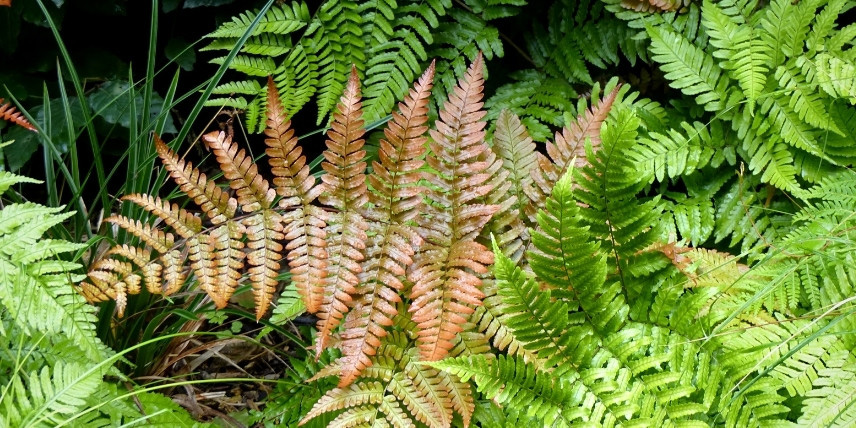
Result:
<point x="537" y="321"/>
<point x="229" y="256"/>
<point x="690" y="69"/>
<point x="514" y="383"/>
<point x="395" y="200"/>
<point x="835" y="76"/>
<point x="254" y="192"/>
<point x="538" y="99"/>
<point x="183" y="222"/>
<point x="288" y="306"/>
<point x="343" y="46"/>
<point x="569" y="144"/>
<point x="296" y="79"/>
<point x="304" y="226"/>
<point x="513" y="146"/>
<point x="346" y="191"/>
<point x="678" y="152"/>
<point x="444" y="271"/>
<point x="264" y="231"/>
<point x="249" y="65"/>
<point x="216" y="204"/>
<point x="277" y="20"/>
<point x="51" y="394"/>
<point x="159" y="240"/>
<point x="9" y="113"/>
<point x="741" y="51"/>
<point x="608" y="185"/>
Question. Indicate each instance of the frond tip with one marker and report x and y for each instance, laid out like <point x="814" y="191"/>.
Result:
<point x="9" y="113"/>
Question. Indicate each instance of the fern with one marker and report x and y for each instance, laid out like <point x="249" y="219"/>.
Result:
<point x="9" y="113"/>
<point x="52" y="364"/>
<point x="444" y="271"/>
<point x="389" y="42"/>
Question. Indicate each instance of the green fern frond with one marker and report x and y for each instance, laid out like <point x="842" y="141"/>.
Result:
<point x="250" y="65"/>
<point x="835" y="76"/>
<point x="278" y="20"/>
<point x="539" y="100"/>
<point x="741" y="52"/>
<point x="690" y="69"/>
<point x="680" y="153"/>
<point x="514" y="383"/>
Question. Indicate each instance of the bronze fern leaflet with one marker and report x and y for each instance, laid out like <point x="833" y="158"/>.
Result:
<point x="9" y="113"/>
<point x="570" y="143"/>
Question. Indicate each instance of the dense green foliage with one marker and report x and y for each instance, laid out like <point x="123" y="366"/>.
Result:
<point x="670" y="197"/>
<point x="53" y="368"/>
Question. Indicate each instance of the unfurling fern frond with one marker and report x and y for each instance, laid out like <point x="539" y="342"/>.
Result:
<point x="444" y="271"/>
<point x="346" y="191"/>
<point x="395" y="198"/>
<point x="9" y="113"/>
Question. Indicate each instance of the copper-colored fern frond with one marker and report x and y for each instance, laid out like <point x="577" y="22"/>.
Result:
<point x="142" y="258"/>
<point x="346" y="192"/>
<point x="214" y="202"/>
<point x="570" y="143"/>
<point x="228" y="255"/>
<point x="9" y="113"/>
<point x="254" y="192"/>
<point x="159" y="240"/>
<point x="264" y="232"/>
<point x="182" y="221"/>
<point x="444" y="274"/>
<point x="396" y="199"/>
<point x="511" y="144"/>
<point x="304" y="225"/>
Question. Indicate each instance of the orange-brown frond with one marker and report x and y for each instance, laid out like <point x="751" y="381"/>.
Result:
<point x="215" y="203"/>
<point x="445" y="285"/>
<point x="200" y="251"/>
<point x="396" y="199"/>
<point x="183" y="222"/>
<point x="346" y="191"/>
<point x="9" y="113"/>
<point x="159" y="240"/>
<point x="304" y="226"/>
<point x="229" y="255"/>
<point x="173" y="272"/>
<point x="254" y="192"/>
<point x="570" y="143"/>
<point x="151" y="270"/>
<point x="264" y="231"/>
